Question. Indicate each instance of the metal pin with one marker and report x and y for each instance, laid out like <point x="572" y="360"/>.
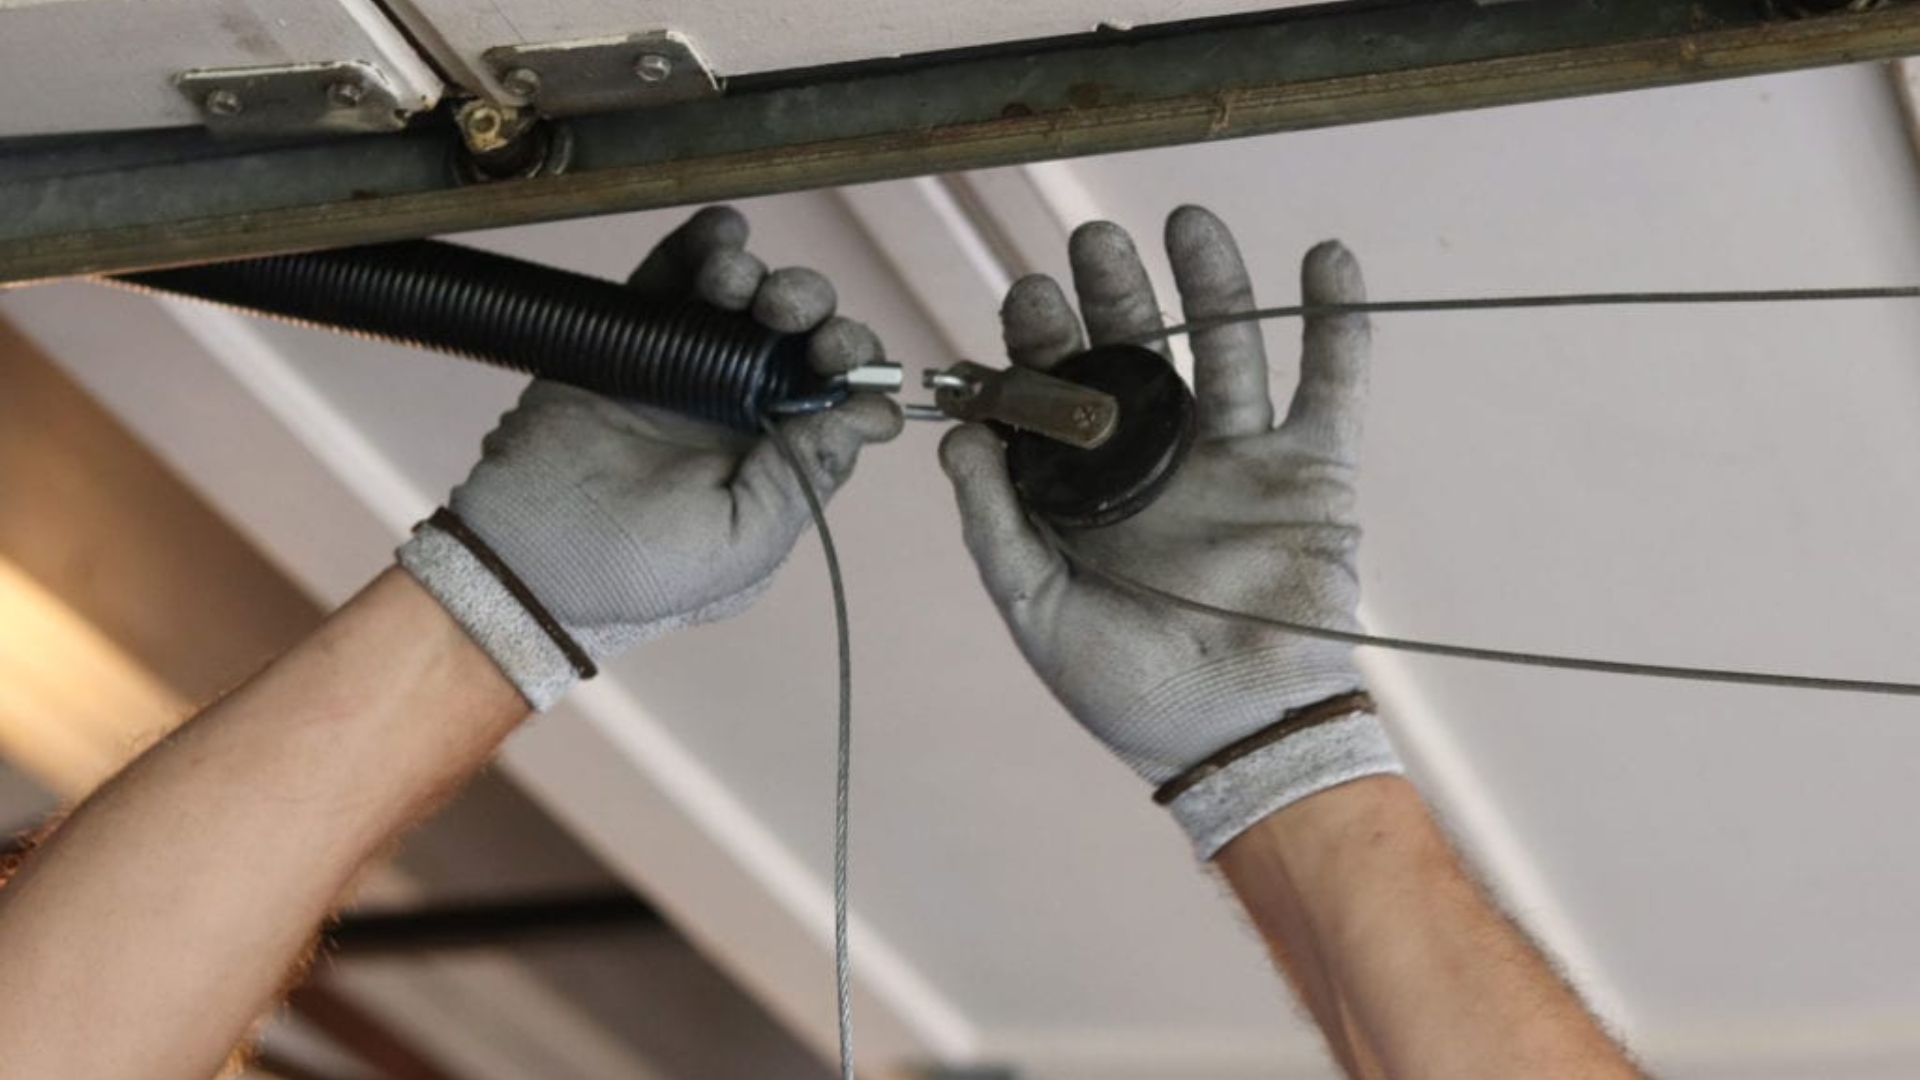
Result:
<point x="882" y="375"/>
<point x="947" y="380"/>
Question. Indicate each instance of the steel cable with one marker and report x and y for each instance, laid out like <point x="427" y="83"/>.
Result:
<point x="1556" y="300"/>
<point x="1508" y="656"/>
<point x="843" y="771"/>
<point x="1502" y="656"/>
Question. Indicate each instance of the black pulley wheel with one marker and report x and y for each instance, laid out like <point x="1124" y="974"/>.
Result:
<point x="1077" y="488"/>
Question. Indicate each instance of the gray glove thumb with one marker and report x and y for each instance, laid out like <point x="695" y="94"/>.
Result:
<point x="1015" y="561"/>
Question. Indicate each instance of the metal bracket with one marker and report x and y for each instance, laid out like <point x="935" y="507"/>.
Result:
<point x="341" y="97"/>
<point x="1026" y="399"/>
<point x="603" y="74"/>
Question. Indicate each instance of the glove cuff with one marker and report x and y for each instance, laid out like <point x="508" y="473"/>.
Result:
<point x="483" y="597"/>
<point x="1232" y="797"/>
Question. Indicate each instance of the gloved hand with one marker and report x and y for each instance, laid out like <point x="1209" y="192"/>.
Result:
<point x="623" y="522"/>
<point x="1259" y="518"/>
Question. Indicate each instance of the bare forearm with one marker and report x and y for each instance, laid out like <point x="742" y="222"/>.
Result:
<point x="1360" y="892"/>
<point x="170" y="907"/>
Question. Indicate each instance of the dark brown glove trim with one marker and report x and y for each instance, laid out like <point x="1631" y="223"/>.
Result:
<point x="449" y="522"/>
<point x="1293" y="723"/>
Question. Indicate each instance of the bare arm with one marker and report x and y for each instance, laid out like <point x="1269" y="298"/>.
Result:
<point x="170" y="908"/>
<point x="1403" y="961"/>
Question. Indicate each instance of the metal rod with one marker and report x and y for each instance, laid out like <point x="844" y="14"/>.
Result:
<point x="167" y="199"/>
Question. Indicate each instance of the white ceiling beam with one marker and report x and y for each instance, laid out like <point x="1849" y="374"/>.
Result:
<point x="950" y="269"/>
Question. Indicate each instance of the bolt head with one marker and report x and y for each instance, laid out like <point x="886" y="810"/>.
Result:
<point x="521" y="83"/>
<point x="345" y="95"/>
<point x="482" y="126"/>
<point x="223" y="103"/>
<point x="653" y="68"/>
<point x="484" y="121"/>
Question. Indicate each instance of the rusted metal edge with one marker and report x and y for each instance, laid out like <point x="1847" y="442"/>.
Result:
<point x="1884" y="33"/>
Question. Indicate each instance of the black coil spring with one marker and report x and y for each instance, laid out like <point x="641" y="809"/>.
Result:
<point x="689" y="357"/>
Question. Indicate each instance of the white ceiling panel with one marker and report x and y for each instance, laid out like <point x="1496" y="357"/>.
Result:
<point x="69" y="66"/>
<point x="738" y="38"/>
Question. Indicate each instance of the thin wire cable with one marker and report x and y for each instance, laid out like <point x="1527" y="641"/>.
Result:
<point x="843" y="772"/>
<point x="1506" y="656"/>
<point x="1500" y="656"/>
<point x="1470" y="652"/>
<point x="1558" y="300"/>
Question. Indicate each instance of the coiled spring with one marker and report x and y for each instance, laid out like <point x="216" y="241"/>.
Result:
<point x="688" y="356"/>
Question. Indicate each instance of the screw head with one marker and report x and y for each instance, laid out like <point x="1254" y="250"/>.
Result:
<point x="653" y="68"/>
<point x="521" y="83"/>
<point x="223" y="103"/>
<point x="1085" y="416"/>
<point x="345" y="94"/>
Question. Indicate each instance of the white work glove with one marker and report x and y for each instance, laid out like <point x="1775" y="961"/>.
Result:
<point x="1259" y="518"/>
<point x="624" y="522"/>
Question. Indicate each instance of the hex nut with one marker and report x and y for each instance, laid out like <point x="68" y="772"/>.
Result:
<point x="484" y="126"/>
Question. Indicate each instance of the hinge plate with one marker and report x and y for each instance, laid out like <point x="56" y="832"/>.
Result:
<point x="570" y="78"/>
<point x="340" y="97"/>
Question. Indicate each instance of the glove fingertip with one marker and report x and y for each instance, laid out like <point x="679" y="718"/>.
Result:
<point x="1098" y="243"/>
<point x="842" y="344"/>
<point x="1194" y="226"/>
<point x="969" y="450"/>
<point x="730" y="279"/>
<point x="716" y="227"/>
<point x="1331" y="274"/>
<point x="873" y="417"/>
<point x="1038" y="323"/>
<point x="672" y="268"/>
<point x="1034" y="296"/>
<point x="794" y="299"/>
<point x="1014" y="559"/>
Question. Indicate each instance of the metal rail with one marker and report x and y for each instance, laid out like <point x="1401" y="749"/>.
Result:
<point x="106" y="205"/>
